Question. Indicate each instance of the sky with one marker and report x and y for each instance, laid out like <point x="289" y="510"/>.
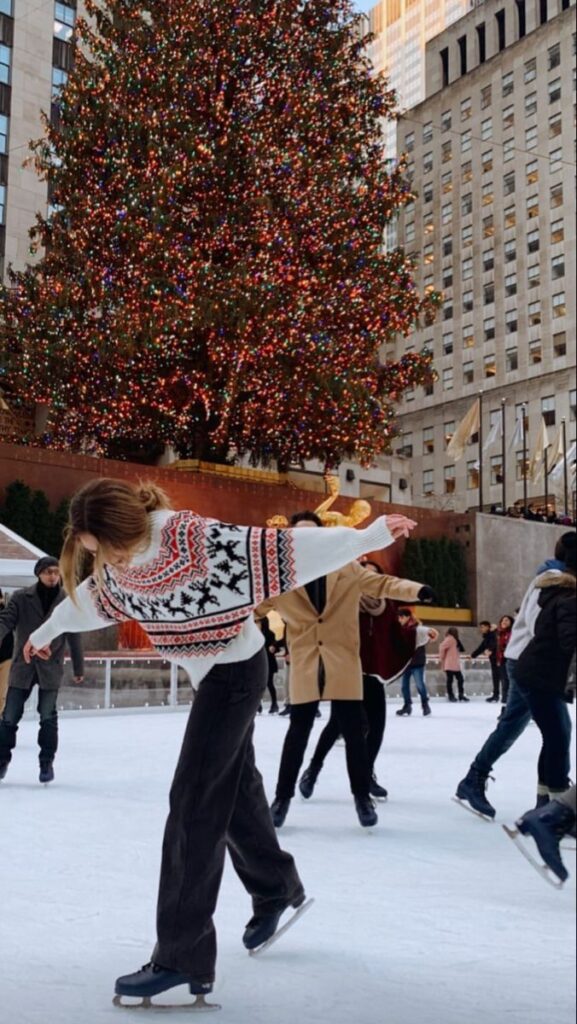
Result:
<point x="364" y="5"/>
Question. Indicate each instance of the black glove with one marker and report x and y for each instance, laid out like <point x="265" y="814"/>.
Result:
<point x="427" y="595"/>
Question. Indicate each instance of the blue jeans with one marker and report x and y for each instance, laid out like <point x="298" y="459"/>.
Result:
<point x="552" y="718"/>
<point x="418" y="671"/>
<point x="513" y="721"/>
<point x="13" y="711"/>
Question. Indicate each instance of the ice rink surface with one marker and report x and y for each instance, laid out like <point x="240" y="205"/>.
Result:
<point x="434" y="918"/>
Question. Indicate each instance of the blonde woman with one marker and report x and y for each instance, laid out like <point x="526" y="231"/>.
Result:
<point x="192" y="584"/>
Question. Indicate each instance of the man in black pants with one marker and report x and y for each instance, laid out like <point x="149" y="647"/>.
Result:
<point x="488" y="646"/>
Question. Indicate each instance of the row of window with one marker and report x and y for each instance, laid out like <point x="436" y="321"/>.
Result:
<point x="510" y="283"/>
<point x="533" y="242"/>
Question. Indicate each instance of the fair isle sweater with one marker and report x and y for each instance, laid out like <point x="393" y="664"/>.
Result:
<point x="194" y="588"/>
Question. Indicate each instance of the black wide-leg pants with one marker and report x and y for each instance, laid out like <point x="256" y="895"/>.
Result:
<point x="217" y="802"/>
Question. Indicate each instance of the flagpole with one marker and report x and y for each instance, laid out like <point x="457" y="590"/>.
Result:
<point x="565" y="467"/>
<point x="546" y="468"/>
<point x="480" y="451"/>
<point x="504" y="456"/>
<point x="523" y="408"/>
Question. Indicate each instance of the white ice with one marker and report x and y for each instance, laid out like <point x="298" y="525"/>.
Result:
<point x="434" y="918"/>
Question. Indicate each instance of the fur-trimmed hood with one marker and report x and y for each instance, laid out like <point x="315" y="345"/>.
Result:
<point x="554" y="578"/>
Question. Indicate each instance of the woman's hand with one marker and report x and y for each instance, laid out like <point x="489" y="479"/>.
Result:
<point x="29" y="652"/>
<point x="400" y="526"/>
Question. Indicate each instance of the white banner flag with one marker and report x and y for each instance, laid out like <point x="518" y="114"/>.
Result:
<point x="493" y="435"/>
<point x="467" y="427"/>
<point x="536" y="466"/>
<point x="518" y="434"/>
<point x="557" y="473"/>
<point x="557" y="449"/>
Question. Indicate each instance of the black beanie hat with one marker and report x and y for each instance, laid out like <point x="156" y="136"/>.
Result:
<point x="45" y="563"/>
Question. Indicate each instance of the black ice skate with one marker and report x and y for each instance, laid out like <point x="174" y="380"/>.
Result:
<point x="3" y="770"/>
<point x="377" y="791"/>
<point x="152" y="980"/>
<point x="46" y="772"/>
<point x="279" y="810"/>
<point x="471" y="794"/>
<point x="262" y="931"/>
<point x="426" y="708"/>
<point x="366" y="811"/>
<point x="407" y="709"/>
<point x="547" y="826"/>
<point x="308" y="781"/>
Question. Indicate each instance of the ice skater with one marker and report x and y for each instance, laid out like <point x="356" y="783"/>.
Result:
<point x="192" y="584"/>
<point x="450" y="652"/>
<point x="24" y="613"/>
<point x="547" y="826"/>
<point x="416" y="670"/>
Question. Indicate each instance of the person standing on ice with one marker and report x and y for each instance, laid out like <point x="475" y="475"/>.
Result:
<point x="517" y="712"/>
<point x="322" y="620"/>
<point x="24" y="613"/>
<point x="192" y="584"/>
<point x="450" y="651"/>
<point x="423" y="635"/>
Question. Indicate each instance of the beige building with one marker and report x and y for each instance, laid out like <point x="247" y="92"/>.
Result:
<point x="492" y="154"/>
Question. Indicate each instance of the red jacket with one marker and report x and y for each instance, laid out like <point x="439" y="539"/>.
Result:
<point x="386" y="647"/>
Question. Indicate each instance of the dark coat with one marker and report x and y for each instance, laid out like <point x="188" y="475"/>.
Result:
<point x="23" y="614"/>
<point x="386" y="646"/>
<point x="545" y="662"/>
<point x="488" y="645"/>
<point x="269" y="642"/>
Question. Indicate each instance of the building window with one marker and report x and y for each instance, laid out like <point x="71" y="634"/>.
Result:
<point x="446" y="121"/>
<point x="467" y="269"/>
<point x="446" y="151"/>
<point x="560" y="344"/>
<point x="428" y="254"/>
<point x="508" y="117"/>
<point x="530" y="71"/>
<point x="5" y="59"/>
<point x="447" y="277"/>
<point x="449" y="430"/>
<point x="555" y="90"/>
<point x="448" y="310"/>
<point x="467" y="235"/>
<point x="559" y="305"/>
<point x="472" y="476"/>
<point x="406" y="449"/>
<point x="555" y="126"/>
<point x="448" y="378"/>
<point x="533" y="241"/>
<point x="508" y="80"/>
<point x="427" y="132"/>
<point x="487" y="194"/>
<point x="489" y="293"/>
<point x="449" y="477"/>
<point x="509" y="183"/>
<point x="466" y="109"/>
<point x="486" y="95"/>
<point x="534" y="276"/>
<point x="446" y="213"/>
<point x="448" y="245"/>
<point x="573" y="405"/>
<point x="530" y="104"/>
<point x="487" y="161"/>
<point x="532" y="206"/>
<point x="488" y="260"/>
<point x="488" y="226"/>
<point x="427" y="163"/>
<point x="558" y="266"/>
<point x="555" y="160"/>
<point x="447" y="182"/>
<point x="490" y="366"/>
<point x="557" y="231"/>
<point x="468" y="302"/>
<point x="508" y="149"/>
<point x="511" y="321"/>
<point x="466" y="204"/>
<point x="410" y="232"/>
<point x="2" y="204"/>
<point x="548" y="410"/>
<point x="556" y="196"/>
<point x="410" y="395"/>
<point x="522" y="466"/>
<point x="466" y="141"/>
<point x="531" y="137"/>
<point x="428" y="194"/>
<point x="468" y="373"/>
<point x="535" y="352"/>
<point x="554" y="56"/>
<point x="428" y="441"/>
<point x="511" y="360"/>
<point x="489" y="328"/>
<point x="509" y="218"/>
<point x="510" y="250"/>
<point x="468" y="337"/>
<point x="534" y="314"/>
<point x="4" y="123"/>
<point x="6" y="8"/>
<point x="410" y="142"/>
<point x="487" y="129"/>
<point x="447" y="344"/>
<point x="532" y="172"/>
<point x="510" y="285"/>
<point x="428" y="481"/>
<point x="496" y="469"/>
<point x="466" y="172"/>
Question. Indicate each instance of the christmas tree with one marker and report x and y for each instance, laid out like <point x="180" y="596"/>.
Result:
<point x="213" y="272"/>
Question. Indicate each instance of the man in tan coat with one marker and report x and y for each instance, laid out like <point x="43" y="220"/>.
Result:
<point x="322" y="621"/>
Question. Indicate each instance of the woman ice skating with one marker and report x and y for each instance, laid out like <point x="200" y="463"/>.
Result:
<point x="504" y="630"/>
<point x="416" y="669"/>
<point x="450" y="658"/>
<point x="192" y="584"/>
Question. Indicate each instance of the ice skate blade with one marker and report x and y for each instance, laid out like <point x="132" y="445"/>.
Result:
<point x="281" y="931"/>
<point x="471" y="810"/>
<point x="541" y="869"/>
<point x="200" y="1005"/>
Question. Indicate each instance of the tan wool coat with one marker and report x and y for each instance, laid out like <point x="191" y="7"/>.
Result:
<point x="332" y="635"/>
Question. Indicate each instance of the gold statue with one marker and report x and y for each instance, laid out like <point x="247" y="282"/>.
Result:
<point x="358" y="512"/>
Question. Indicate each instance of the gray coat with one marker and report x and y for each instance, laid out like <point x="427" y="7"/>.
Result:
<point x="24" y="614"/>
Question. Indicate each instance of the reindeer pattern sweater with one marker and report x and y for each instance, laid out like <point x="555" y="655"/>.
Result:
<point x="194" y="588"/>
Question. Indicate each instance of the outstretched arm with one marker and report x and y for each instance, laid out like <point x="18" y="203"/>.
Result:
<point x="69" y="617"/>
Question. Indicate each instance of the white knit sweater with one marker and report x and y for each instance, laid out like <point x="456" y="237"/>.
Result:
<point x="194" y="588"/>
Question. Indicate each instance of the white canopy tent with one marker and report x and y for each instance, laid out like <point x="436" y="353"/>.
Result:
<point x="17" y="560"/>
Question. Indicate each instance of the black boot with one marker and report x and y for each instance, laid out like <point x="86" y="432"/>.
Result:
<point x="452" y="698"/>
<point x="366" y="811"/>
<point x="547" y="826"/>
<point x="262" y="927"/>
<point x="463" y="699"/>
<point x="152" y="979"/>
<point x="273" y="710"/>
<point x="279" y="810"/>
<point x="472" y="790"/>
<point x="492" y="700"/>
<point x="46" y="772"/>
<point x="426" y="707"/>
<point x="407" y="709"/>
<point x="3" y="770"/>
<point x="308" y="780"/>
<point x="379" y="792"/>
<point x="285" y="711"/>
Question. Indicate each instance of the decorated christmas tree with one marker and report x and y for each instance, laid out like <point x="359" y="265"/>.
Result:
<point x="212" y="270"/>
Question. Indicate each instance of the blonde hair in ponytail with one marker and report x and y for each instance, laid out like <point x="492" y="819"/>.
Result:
<point x="116" y="514"/>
